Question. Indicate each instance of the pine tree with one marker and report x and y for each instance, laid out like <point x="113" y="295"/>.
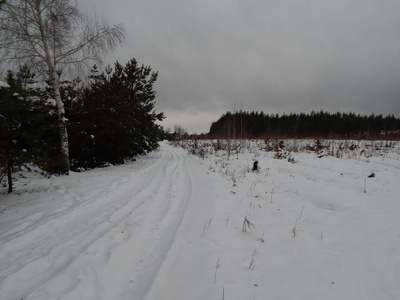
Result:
<point x="52" y="36"/>
<point x="20" y="135"/>
<point x="116" y="116"/>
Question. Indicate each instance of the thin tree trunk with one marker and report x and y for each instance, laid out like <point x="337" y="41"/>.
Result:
<point x="62" y="126"/>
<point x="9" y="160"/>
<point x="54" y="82"/>
<point x="9" y="171"/>
<point x="9" y="177"/>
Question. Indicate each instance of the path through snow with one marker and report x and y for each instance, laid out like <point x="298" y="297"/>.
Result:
<point x="94" y="235"/>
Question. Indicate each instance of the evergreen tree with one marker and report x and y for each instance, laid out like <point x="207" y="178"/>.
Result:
<point x="115" y="119"/>
<point x="313" y="125"/>
<point x="20" y="134"/>
<point x="52" y="35"/>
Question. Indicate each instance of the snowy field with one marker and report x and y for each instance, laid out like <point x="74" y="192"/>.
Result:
<point x="173" y="226"/>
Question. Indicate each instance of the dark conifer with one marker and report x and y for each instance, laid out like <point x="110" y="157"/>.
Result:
<point x="313" y="125"/>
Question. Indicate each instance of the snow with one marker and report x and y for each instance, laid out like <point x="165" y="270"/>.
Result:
<point x="169" y="226"/>
<point x="3" y="85"/>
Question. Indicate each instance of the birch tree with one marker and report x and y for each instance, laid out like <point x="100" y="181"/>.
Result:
<point x="53" y="36"/>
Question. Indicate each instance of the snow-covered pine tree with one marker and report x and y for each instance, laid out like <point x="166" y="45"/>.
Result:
<point x="116" y="116"/>
<point x="20" y="130"/>
<point x="53" y="36"/>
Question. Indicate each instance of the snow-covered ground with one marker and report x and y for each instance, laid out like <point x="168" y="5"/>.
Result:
<point x="170" y="226"/>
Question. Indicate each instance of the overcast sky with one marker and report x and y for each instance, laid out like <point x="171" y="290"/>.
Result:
<point x="277" y="56"/>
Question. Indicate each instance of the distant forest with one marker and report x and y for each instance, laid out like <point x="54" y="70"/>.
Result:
<point x="305" y="125"/>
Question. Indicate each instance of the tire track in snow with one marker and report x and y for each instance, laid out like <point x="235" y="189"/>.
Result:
<point x="73" y="200"/>
<point x="111" y="240"/>
<point x="158" y="233"/>
<point x="85" y="218"/>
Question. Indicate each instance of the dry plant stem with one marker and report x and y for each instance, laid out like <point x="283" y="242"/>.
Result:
<point x="252" y="262"/>
<point x="253" y="185"/>
<point x="247" y="224"/>
<point x="261" y="238"/>
<point x="301" y="213"/>
<point x="216" y="269"/>
<point x="294" y="230"/>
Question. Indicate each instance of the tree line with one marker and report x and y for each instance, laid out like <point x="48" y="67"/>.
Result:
<point x="54" y="37"/>
<point x="320" y="124"/>
<point x="110" y="119"/>
<point x="48" y="117"/>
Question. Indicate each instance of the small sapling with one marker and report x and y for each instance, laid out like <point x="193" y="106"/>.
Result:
<point x="247" y="224"/>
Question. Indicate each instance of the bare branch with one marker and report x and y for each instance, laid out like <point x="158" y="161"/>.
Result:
<point x="47" y="35"/>
<point x="55" y="32"/>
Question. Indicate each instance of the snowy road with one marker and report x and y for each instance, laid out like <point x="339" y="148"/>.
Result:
<point x="107" y="243"/>
<point x="170" y="226"/>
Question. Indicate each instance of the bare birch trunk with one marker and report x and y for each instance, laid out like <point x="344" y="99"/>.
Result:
<point x="50" y="35"/>
<point x="62" y="124"/>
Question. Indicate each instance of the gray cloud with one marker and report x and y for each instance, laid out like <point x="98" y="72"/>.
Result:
<point x="270" y="55"/>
